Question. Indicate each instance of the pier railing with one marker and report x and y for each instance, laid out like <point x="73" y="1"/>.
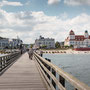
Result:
<point x="7" y="60"/>
<point x="49" y="71"/>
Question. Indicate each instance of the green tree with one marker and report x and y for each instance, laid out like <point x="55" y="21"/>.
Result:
<point x="71" y="46"/>
<point x="66" y="46"/>
<point x="31" y="45"/>
<point x="57" y="45"/>
<point x="44" y="46"/>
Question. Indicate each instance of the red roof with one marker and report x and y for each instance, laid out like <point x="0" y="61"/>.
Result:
<point x="79" y="38"/>
<point x="89" y="37"/>
<point x="71" y="32"/>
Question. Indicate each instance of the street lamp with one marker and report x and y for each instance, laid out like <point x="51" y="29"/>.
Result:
<point x="10" y="44"/>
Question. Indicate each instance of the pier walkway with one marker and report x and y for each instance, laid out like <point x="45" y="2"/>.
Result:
<point x="22" y="75"/>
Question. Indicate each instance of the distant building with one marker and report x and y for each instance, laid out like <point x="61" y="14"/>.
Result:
<point x="48" y="42"/>
<point x="16" y="42"/>
<point x="61" y="44"/>
<point x="27" y="46"/>
<point x="6" y="42"/>
<point x="78" y="40"/>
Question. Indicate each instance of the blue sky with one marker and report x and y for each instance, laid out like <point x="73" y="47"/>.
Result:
<point x="42" y="17"/>
<point x="51" y="10"/>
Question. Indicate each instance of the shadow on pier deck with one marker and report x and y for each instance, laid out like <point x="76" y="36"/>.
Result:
<point x="22" y="75"/>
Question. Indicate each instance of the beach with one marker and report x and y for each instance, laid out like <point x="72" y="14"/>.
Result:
<point x="69" y="51"/>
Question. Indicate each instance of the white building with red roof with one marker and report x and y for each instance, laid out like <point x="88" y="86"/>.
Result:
<point x="78" y="40"/>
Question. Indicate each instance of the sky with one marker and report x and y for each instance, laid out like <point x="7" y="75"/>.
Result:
<point x="28" y="19"/>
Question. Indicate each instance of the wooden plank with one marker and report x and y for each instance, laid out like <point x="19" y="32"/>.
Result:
<point x="23" y="75"/>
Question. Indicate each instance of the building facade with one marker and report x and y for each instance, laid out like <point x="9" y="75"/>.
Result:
<point x="6" y="43"/>
<point x="78" y="40"/>
<point x="48" y="42"/>
<point x="16" y="42"/>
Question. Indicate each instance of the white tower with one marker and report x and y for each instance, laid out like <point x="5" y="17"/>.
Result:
<point x="86" y="35"/>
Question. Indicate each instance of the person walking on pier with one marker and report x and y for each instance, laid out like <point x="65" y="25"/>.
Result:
<point x="30" y="53"/>
<point x="41" y="53"/>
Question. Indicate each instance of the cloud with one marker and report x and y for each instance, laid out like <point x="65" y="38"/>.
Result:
<point x="9" y="3"/>
<point x="77" y="2"/>
<point x="30" y="25"/>
<point x="51" y="2"/>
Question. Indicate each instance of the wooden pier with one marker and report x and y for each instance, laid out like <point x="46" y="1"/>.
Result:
<point x="22" y="75"/>
<point x="36" y="74"/>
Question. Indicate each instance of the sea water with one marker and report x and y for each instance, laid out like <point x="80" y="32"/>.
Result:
<point x="77" y="65"/>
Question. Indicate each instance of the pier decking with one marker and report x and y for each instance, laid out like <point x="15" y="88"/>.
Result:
<point x="22" y="75"/>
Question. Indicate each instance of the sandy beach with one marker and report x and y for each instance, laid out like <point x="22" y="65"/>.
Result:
<point x="69" y="51"/>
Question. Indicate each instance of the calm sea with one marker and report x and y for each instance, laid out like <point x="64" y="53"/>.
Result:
<point x="76" y="64"/>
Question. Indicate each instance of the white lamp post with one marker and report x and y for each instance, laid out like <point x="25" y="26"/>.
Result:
<point x="10" y="41"/>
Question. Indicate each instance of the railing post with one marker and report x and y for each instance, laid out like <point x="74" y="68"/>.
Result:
<point x="48" y="67"/>
<point x="54" y="73"/>
<point x="0" y="63"/>
<point x="62" y="81"/>
<point x="4" y="61"/>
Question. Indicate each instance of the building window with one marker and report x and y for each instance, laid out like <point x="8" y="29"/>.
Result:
<point x="3" y="44"/>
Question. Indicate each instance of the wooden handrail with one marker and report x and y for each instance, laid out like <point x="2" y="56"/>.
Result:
<point x="52" y="76"/>
<point x="78" y="85"/>
<point x="6" y="60"/>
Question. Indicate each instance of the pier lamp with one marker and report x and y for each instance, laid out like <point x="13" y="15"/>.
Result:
<point x="10" y="44"/>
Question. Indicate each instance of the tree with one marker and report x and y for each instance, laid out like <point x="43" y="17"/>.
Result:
<point x="44" y="46"/>
<point x="31" y="45"/>
<point x="57" y="44"/>
<point x="71" y="46"/>
<point x="66" y="46"/>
